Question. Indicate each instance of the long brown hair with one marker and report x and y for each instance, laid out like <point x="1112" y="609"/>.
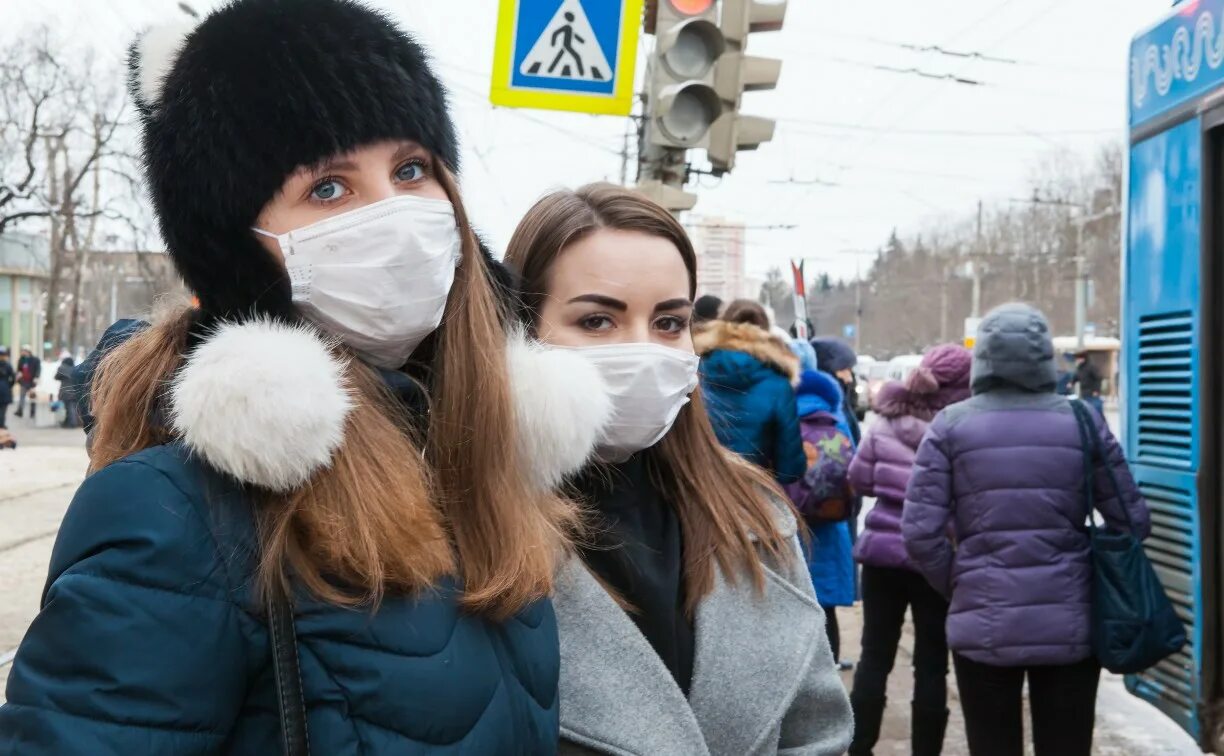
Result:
<point x="380" y="517"/>
<point x="722" y="502"/>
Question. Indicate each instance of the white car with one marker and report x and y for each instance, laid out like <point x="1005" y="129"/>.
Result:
<point x="899" y="368"/>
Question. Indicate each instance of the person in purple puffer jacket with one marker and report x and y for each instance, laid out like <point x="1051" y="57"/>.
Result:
<point x="1005" y="470"/>
<point x="882" y="468"/>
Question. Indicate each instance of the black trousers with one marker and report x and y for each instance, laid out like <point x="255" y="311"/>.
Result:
<point x="833" y="630"/>
<point x="3" y="415"/>
<point x="1062" y="699"/>
<point x="887" y="593"/>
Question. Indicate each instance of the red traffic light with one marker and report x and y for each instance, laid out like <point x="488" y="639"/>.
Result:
<point x="691" y="7"/>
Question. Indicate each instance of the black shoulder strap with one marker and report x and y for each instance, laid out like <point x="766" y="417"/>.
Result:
<point x="1094" y="455"/>
<point x="288" y="675"/>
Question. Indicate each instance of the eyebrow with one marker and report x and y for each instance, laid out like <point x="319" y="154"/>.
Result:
<point x="600" y="299"/>
<point x="331" y="166"/>
<point x="673" y="304"/>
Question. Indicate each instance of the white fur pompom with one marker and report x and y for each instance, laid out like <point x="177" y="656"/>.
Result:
<point x="562" y="406"/>
<point x="264" y="402"/>
<point x="153" y="56"/>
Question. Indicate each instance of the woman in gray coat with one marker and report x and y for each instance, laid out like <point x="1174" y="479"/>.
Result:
<point x="687" y="619"/>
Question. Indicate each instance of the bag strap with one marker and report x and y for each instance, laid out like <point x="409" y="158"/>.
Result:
<point x="287" y="673"/>
<point x="1090" y="440"/>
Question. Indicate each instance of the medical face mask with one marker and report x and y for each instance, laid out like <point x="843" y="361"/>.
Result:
<point x="378" y="277"/>
<point x="649" y="385"/>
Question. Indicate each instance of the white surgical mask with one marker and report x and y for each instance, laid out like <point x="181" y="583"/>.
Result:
<point x="649" y="385"/>
<point x="377" y="277"/>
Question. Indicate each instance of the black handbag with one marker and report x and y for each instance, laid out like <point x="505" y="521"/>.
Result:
<point x="1134" y="625"/>
<point x="288" y="675"/>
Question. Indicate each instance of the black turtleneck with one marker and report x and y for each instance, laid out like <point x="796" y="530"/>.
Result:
<point x="637" y="550"/>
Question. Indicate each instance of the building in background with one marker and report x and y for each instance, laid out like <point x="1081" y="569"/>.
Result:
<point x="720" y="258"/>
<point x="25" y="264"/>
<point x="123" y="285"/>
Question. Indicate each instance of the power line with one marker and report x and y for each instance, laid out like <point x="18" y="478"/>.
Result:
<point x="847" y="126"/>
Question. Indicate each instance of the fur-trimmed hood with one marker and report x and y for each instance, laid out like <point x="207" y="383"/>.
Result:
<point x="267" y="404"/>
<point x="737" y="352"/>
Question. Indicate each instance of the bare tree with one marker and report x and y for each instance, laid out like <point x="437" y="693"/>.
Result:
<point x="61" y="163"/>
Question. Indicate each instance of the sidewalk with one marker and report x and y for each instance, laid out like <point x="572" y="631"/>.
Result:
<point x="1126" y="726"/>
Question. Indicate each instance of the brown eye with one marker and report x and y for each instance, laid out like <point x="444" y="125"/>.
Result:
<point x="596" y="322"/>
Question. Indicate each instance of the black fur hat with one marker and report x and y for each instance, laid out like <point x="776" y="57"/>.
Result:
<point x="232" y="107"/>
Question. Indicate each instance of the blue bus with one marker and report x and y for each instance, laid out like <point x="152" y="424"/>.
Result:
<point x="1173" y="305"/>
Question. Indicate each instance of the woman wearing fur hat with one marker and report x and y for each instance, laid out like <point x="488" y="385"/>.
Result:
<point x="688" y="624"/>
<point x="294" y="538"/>
<point x="882" y="469"/>
<point x="747" y="378"/>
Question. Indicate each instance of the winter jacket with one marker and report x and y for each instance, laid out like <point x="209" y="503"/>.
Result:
<point x="882" y="468"/>
<point x="151" y="640"/>
<point x="746" y="379"/>
<point x="764" y="683"/>
<point x="1005" y="469"/>
<point x="29" y="370"/>
<point x="8" y="377"/>
<point x="830" y="561"/>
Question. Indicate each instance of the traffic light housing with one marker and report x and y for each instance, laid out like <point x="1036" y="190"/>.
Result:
<point x="683" y="103"/>
<point x="736" y="73"/>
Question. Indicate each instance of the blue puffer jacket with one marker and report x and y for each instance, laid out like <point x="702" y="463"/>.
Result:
<point x="746" y="377"/>
<point x="150" y="639"/>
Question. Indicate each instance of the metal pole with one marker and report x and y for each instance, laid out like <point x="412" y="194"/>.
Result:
<point x="858" y="306"/>
<point x="114" y="297"/>
<point x="977" y="289"/>
<point x="1081" y="286"/>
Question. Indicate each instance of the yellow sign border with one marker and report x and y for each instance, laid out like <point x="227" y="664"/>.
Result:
<point x="619" y="103"/>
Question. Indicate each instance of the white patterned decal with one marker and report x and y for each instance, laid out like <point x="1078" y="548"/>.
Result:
<point x="1182" y="58"/>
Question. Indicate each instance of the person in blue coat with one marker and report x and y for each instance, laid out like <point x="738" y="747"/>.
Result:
<point x="746" y="381"/>
<point x="831" y="561"/>
<point x="313" y="448"/>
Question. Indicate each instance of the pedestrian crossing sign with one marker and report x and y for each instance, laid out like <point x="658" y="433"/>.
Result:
<point x="577" y="55"/>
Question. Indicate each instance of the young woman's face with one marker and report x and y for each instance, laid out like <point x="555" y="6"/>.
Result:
<point x="618" y="287"/>
<point x="346" y="182"/>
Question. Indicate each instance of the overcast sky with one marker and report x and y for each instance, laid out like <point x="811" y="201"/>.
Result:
<point x="900" y="149"/>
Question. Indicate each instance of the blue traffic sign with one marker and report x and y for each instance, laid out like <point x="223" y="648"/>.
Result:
<point x="566" y="55"/>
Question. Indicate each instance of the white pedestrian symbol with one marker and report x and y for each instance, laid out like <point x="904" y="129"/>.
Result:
<point x="567" y="49"/>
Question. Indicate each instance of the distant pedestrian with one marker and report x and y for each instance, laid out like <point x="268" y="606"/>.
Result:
<point x="1001" y="476"/>
<point x="707" y="307"/>
<point x="1089" y="381"/>
<point x="8" y="377"/>
<point x="882" y="469"/>
<point x="747" y="377"/>
<point x="29" y="370"/>
<point x="65" y="374"/>
<point x="823" y="496"/>
<point x="837" y="358"/>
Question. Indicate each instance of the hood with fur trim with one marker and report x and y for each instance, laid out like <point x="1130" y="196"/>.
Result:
<point x="735" y="353"/>
<point x="279" y="418"/>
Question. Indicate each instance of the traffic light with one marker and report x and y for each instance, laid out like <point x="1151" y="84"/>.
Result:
<point x="682" y="101"/>
<point x="736" y="73"/>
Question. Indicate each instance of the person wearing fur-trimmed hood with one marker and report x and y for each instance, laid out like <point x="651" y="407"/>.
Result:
<point x="747" y="379"/>
<point x="358" y="481"/>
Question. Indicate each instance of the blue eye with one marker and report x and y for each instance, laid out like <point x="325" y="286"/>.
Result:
<point x="413" y="170"/>
<point x="327" y="190"/>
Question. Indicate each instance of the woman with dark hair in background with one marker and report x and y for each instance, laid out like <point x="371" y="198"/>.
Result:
<point x="882" y="468"/>
<point x="747" y="379"/>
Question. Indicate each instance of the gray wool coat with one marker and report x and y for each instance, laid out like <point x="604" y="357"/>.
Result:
<point x="763" y="679"/>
